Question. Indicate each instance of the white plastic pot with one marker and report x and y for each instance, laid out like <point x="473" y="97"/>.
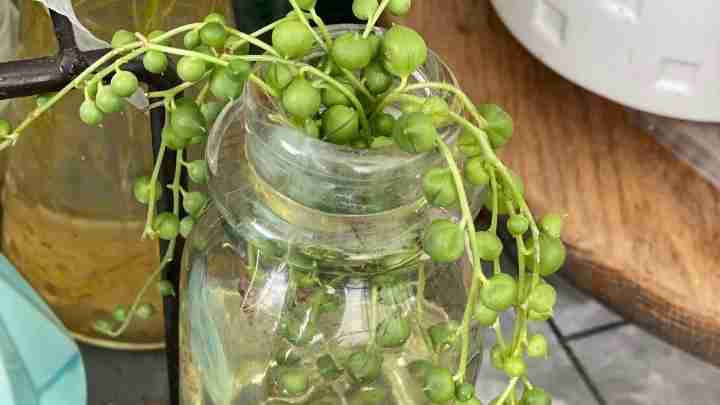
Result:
<point x="659" y="56"/>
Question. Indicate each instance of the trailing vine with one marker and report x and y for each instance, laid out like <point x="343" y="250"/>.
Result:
<point x="342" y="98"/>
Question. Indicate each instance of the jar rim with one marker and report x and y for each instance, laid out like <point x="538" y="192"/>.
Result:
<point x="365" y="157"/>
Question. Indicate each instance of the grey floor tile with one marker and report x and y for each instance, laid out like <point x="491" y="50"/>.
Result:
<point x="124" y="378"/>
<point x="632" y="367"/>
<point x="576" y="312"/>
<point x="556" y="374"/>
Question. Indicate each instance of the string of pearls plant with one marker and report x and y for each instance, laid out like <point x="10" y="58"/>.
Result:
<point x="341" y="98"/>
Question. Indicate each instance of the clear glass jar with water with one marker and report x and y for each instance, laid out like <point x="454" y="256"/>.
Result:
<point x="306" y="282"/>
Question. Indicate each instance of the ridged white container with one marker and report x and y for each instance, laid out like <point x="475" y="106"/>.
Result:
<point x="659" y="56"/>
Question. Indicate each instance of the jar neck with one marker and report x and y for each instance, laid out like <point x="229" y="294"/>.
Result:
<point x="307" y="217"/>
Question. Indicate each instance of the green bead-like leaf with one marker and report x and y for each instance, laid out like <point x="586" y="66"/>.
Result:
<point x="333" y="96"/>
<point x="364" y="366"/>
<point x="489" y="246"/>
<point x="383" y="125"/>
<point x="404" y="50"/>
<point x="89" y="113"/>
<point x="537" y="346"/>
<point x="535" y="396"/>
<point x="364" y="9"/>
<point x="293" y="381"/>
<point x="552" y="225"/>
<point x="393" y="332"/>
<point x="552" y="255"/>
<point x="340" y="124"/>
<point x="515" y="367"/>
<point x="292" y="39"/>
<point x="121" y="38"/>
<point x="223" y="84"/>
<point x="484" y="315"/>
<point x="444" y="241"/>
<point x="351" y="51"/>
<point x="213" y="34"/>
<point x="439" y="187"/>
<point x="475" y="172"/>
<point x="542" y="298"/>
<point x="399" y="7"/>
<point x="499" y="124"/>
<point x="438" y="109"/>
<point x="377" y="79"/>
<point x="500" y="292"/>
<point x="278" y="76"/>
<point x="167" y="226"/>
<point x="415" y="133"/>
<point x="439" y="386"/>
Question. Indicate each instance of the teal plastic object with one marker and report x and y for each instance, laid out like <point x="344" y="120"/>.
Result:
<point x="40" y="364"/>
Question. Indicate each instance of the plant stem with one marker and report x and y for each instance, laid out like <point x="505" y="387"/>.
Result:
<point x="115" y="65"/>
<point x="203" y="93"/>
<point x="419" y="302"/>
<point x="11" y="139"/>
<point x="304" y="67"/>
<point x="373" y="314"/>
<point x="467" y="103"/>
<point x="490" y="155"/>
<point x="493" y="187"/>
<point x="357" y="84"/>
<point x="478" y="278"/>
<point x="167" y="258"/>
<point x="321" y="24"/>
<point x="184" y="52"/>
<point x="520" y="245"/>
<point x="506" y="393"/>
<point x="521" y="330"/>
<point x="169" y="92"/>
<point x="304" y="20"/>
<point x="394" y="94"/>
<point x="148" y="231"/>
<point x="251" y="39"/>
<point x="169" y="253"/>
<point x="175" y="31"/>
<point x="372" y="20"/>
<point x="497" y="327"/>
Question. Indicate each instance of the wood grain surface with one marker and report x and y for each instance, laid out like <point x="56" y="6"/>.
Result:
<point x="643" y="230"/>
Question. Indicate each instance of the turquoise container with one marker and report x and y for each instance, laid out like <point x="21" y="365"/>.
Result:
<point x="40" y="364"/>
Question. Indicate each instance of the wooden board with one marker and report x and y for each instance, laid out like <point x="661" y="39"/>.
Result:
<point x="643" y="229"/>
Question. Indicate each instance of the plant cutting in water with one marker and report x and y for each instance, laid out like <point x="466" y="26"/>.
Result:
<point x="346" y="97"/>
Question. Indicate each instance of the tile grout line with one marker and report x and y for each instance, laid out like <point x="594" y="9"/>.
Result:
<point x="595" y="330"/>
<point x="577" y="364"/>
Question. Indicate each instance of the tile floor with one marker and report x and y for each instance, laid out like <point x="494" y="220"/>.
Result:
<point x="596" y="359"/>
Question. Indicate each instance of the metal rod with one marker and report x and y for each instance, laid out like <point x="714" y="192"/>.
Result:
<point x="23" y="78"/>
<point x="170" y="303"/>
<point x="64" y="32"/>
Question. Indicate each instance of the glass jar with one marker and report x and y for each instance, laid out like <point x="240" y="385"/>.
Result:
<point x="306" y="282"/>
<point x="71" y="225"/>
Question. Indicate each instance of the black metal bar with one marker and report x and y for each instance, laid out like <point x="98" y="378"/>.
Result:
<point x="30" y="77"/>
<point x="170" y="303"/>
<point x="64" y="32"/>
